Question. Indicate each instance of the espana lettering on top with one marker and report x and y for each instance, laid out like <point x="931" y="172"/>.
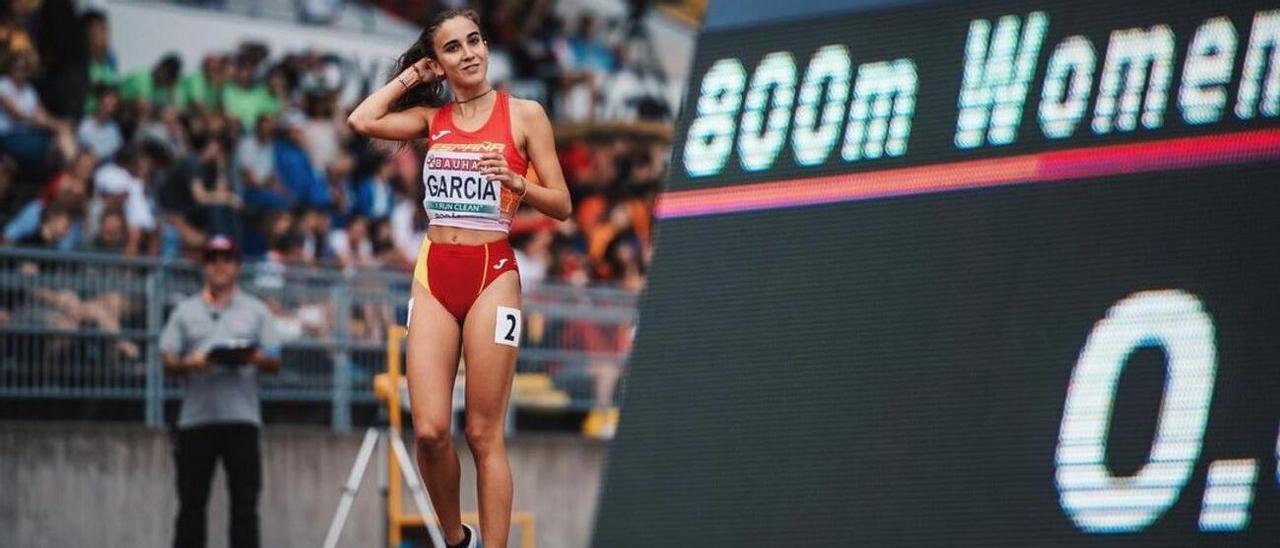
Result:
<point x="864" y="112"/>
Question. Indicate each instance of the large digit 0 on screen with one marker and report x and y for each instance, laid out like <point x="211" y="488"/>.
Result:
<point x="964" y="274"/>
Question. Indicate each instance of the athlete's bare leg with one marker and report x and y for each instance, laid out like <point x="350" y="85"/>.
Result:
<point x="490" y="369"/>
<point x="431" y="364"/>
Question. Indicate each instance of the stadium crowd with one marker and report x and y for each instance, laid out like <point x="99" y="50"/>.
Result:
<point x="255" y="146"/>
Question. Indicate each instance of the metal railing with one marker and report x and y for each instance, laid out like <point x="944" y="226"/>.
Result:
<point x="86" y="326"/>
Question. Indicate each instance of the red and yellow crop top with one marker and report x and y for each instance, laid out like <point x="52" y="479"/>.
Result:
<point x="457" y="194"/>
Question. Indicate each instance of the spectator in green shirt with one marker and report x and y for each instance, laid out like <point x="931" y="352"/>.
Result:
<point x="102" y="61"/>
<point x="158" y="86"/>
<point x="280" y="84"/>
<point x="203" y="90"/>
<point x="245" y="100"/>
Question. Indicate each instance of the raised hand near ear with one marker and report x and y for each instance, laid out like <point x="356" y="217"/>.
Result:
<point x="423" y="68"/>
<point x="417" y="73"/>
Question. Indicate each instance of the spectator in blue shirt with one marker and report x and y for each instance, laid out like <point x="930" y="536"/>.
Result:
<point x="589" y="51"/>
<point x="374" y="197"/>
<point x="339" y="191"/>
<point x="293" y="166"/>
<point x="68" y="190"/>
<point x="254" y="170"/>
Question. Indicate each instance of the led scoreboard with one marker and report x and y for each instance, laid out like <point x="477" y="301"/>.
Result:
<point x="963" y="274"/>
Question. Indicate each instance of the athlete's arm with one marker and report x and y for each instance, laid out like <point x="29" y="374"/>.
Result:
<point x="373" y="116"/>
<point x="552" y="196"/>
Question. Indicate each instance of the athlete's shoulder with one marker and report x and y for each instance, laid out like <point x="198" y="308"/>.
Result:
<point x="527" y="110"/>
<point x="422" y="112"/>
<point x="531" y="116"/>
<point x="428" y="113"/>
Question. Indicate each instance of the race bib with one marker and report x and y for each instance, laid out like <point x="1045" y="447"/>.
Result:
<point x="456" y="188"/>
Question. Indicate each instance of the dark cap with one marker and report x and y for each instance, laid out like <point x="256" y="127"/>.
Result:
<point x="220" y="245"/>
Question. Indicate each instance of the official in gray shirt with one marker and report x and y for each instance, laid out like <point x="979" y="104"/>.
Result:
<point x="219" y="341"/>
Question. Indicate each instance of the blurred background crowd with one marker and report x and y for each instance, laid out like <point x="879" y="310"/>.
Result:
<point x="252" y="143"/>
<point x="132" y="131"/>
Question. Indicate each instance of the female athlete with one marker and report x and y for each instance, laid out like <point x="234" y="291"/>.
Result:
<point x="466" y="289"/>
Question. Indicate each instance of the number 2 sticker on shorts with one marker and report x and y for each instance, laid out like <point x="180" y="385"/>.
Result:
<point x="506" y="330"/>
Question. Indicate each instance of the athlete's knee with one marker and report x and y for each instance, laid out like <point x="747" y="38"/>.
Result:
<point x="483" y="435"/>
<point x="431" y="436"/>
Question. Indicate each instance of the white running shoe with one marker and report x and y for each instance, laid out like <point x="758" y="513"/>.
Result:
<point x="474" y="536"/>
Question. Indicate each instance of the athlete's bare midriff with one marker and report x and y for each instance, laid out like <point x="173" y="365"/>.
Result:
<point x="464" y="236"/>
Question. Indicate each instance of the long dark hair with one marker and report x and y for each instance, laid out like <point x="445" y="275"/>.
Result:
<point x="428" y="93"/>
